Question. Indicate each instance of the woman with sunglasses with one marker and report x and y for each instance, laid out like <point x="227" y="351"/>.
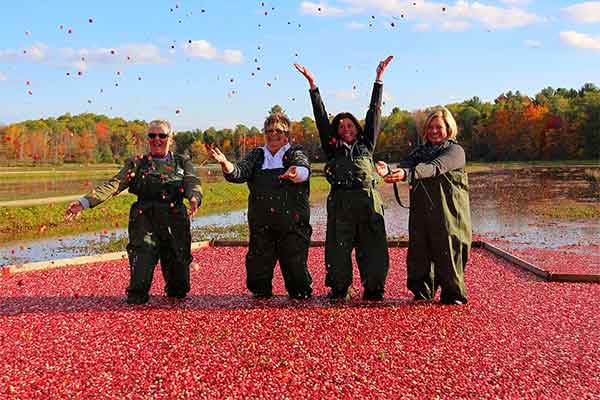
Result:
<point x="159" y="223"/>
<point x="277" y="175"/>
<point x="354" y="207"/>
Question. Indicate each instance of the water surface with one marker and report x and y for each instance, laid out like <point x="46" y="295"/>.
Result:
<point x="501" y="203"/>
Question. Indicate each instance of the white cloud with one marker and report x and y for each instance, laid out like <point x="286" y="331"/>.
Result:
<point x="493" y="17"/>
<point x="34" y="53"/>
<point x="580" y="40"/>
<point x="443" y="15"/>
<point x="534" y="44"/>
<point x="200" y="49"/>
<point x="516" y="2"/>
<point x="83" y="58"/>
<point x="321" y="9"/>
<point x="137" y="53"/>
<point x="3" y="77"/>
<point x="587" y="12"/>
<point x="204" y="49"/>
<point x="232" y="56"/>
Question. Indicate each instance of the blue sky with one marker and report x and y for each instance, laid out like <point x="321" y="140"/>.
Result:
<point x="195" y="68"/>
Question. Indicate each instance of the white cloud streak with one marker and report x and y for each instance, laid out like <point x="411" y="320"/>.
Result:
<point x="321" y="9"/>
<point x="205" y="50"/>
<point x="586" y="13"/>
<point x="83" y="58"/>
<point x="516" y="2"/>
<point x="459" y="16"/>
<point x="580" y="40"/>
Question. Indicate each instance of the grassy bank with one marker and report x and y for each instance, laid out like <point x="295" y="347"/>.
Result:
<point x="231" y="232"/>
<point x="43" y="221"/>
<point x="567" y="210"/>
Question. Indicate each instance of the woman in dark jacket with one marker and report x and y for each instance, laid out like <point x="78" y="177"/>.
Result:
<point x="440" y="217"/>
<point x="159" y="224"/>
<point x="354" y="207"/>
<point x="277" y="175"/>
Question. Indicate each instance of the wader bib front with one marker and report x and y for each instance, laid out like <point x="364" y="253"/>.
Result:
<point x="355" y="220"/>
<point x="279" y="221"/>
<point x="440" y="236"/>
<point x="159" y="229"/>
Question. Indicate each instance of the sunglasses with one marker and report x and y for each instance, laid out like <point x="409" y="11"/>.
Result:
<point x="160" y="135"/>
<point x="275" y="131"/>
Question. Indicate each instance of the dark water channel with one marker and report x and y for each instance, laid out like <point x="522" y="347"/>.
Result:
<point x="502" y="204"/>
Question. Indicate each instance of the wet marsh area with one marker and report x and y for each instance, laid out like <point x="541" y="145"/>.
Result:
<point x="523" y="209"/>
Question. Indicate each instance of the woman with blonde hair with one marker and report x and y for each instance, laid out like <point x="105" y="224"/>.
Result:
<point x="440" y="217"/>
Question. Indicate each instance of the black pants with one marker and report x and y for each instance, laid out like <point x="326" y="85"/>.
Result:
<point x="158" y="232"/>
<point x="287" y="244"/>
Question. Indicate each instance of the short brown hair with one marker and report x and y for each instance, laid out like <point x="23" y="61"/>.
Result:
<point x="277" y="118"/>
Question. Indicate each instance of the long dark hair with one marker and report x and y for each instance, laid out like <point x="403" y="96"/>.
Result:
<point x="335" y="124"/>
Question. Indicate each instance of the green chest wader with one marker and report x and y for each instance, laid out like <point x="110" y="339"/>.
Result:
<point x="440" y="237"/>
<point x="278" y="215"/>
<point x="355" y="220"/>
<point x="159" y="229"/>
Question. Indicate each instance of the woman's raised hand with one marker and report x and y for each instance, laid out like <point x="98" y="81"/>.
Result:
<point x="382" y="66"/>
<point x="307" y="74"/>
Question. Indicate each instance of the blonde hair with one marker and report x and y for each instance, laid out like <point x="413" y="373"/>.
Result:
<point x="162" y="124"/>
<point x="445" y="114"/>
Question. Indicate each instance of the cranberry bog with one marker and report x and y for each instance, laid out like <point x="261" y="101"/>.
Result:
<point x="67" y="333"/>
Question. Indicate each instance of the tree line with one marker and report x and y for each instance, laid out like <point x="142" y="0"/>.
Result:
<point x="556" y="124"/>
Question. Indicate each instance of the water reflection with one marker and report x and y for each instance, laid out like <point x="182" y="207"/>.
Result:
<point x="501" y="204"/>
<point x="63" y="185"/>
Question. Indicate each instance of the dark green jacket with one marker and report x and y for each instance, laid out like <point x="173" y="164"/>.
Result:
<point x="176" y="177"/>
<point x="271" y="197"/>
<point x="439" y="187"/>
<point x="349" y="166"/>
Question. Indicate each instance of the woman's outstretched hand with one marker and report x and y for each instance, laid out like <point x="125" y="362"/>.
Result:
<point x="73" y="210"/>
<point x="382" y="66"/>
<point x="395" y="175"/>
<point x="390" y="175"/>
<point x="290" y="174"/>
<point x="307" y="74"/>
<point x="216" y="154"/>
<point x="193" y="207"/>
<point x="382" y="168"/>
